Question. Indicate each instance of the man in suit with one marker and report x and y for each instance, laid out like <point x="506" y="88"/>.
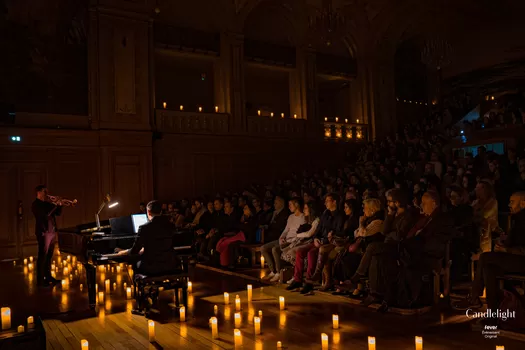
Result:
<point x="41" y="210"/>
<point x="396" y="275"/>
<point x="154" y="243"/>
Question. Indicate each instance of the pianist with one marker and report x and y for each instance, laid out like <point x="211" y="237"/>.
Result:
<point x="153" y="247"/>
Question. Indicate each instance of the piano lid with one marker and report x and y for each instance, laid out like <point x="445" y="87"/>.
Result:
<point x="89" y="227"/>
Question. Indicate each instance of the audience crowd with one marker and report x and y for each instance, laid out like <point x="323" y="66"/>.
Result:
<point x="378" y="227"/>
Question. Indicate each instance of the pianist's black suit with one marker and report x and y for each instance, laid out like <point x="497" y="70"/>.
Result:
<point x="156" y="237"/>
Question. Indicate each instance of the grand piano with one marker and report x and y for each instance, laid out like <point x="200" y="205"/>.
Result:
<point x="93" y="246"/>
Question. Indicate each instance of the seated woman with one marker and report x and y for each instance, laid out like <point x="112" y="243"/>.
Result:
<point x="246" y="234"/>
<point x="350" y="226"/>
<point x="369" y="230"/>
<point x="305" y="234"/>
<point x="273" y="250"/>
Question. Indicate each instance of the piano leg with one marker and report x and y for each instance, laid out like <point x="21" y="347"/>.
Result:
<point x="185" y="292"/>
<point x="91" y="276"/>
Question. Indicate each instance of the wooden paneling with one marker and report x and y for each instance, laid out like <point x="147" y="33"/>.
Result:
<point x="8" y="211"/>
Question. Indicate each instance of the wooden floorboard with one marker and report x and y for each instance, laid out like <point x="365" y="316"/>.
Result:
<point x="297" y="327"/>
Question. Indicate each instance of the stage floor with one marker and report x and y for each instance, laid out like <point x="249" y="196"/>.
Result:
<point x="299" y="326"/>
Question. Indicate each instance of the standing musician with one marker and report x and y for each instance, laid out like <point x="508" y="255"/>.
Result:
<point x="44" y="213"/>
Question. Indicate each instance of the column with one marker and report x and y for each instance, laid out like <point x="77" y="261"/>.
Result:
<point x="306" y="66"/>
<point x="229" y="93"/>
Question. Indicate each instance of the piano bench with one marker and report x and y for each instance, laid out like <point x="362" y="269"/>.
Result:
<point x="154" y="283"/>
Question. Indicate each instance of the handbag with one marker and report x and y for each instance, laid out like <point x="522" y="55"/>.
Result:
<point x="354" y="247"/>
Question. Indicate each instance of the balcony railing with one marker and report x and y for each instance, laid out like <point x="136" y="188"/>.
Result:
<point x="346" y="131"/>
<point x="275" y="126"/>
<point x="191" y="122"/>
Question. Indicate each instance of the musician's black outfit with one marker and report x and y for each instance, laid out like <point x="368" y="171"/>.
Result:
<point x="156" y="237"/>
<point x="41" y="212"/>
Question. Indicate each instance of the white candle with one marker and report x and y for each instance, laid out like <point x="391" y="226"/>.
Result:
<point x="271" y="114"/>
<point x="101" y="298"/>
<point x="324" y="340"/>
<point x="216" y="109"/>
<point x="6" y="318"/>
<point x="81" y="287"/>
<point x="30" y="322"/>
<point x="74" y="260"/>
<point x="419" y="343"/>
<point x="106" y="283"/>
<point x="249" y="288"/>
<point x="259" y="112"/>
<point x="279" y="345"/>
<point x="164" y="105"/>
<point x="151" y="331"/>
<point x="65" y="272"/>
<point x="226" y="298"/>
<point x="295" y="116"/>
<point x="84" y="344"/>
<point x="214" y="330"/>
<point x="118" y="269"/>
<point x="260" y="314"/>
<point x="371" y="343"/>
<point x="96" y="288"/>
<point x="237" y="317"/>
<point x="25" y="261"/>
<point x="21" y="329"/>
<point x="31" y="259"/>
<point x="181" y="107"/>
<point x="200" y="109"/>
<point x="125" y="285"/>
<point x="114" y="285"/>
<point x="112" y="269"/>
<point x="30" y="266"/>
<point x="237" y="336"/>
<point x="257" y="325"/>
<point x="215" y="309"/>
<point x="282" y="115"/>
<point x="262" y="261"/>
<point x="190" y="287"/>
<point x="182" y="313"/>
<point x="335" y="321"/>
<point x="65" y="285"/>
<point x="237" y="303"/>
<point x="500" y="347"/>
<point x="281" y="303"/>
<point x="336" y="119"/>
<point x="128" y="293"/>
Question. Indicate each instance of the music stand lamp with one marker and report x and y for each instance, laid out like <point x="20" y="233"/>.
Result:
<point x="106" y="200"/>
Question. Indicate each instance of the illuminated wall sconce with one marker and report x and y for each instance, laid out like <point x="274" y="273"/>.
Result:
<point x="338" y="132"/>
<point x="295" y="116"/>
<point x="259" y="112"/>
<point x="327" y="131"/>
<point x="348" y="134"/>
<point x="359" y="133"/>
<point x="181" y="107"/>
<point x="336" y="119"/>
<point x="325" y="119"/>
<point x="200" y="109"/>
<point x="271" y="114"/>
<point x="216" y="109"/>
<point x="282" y="115"/>
<point x="164" y="105"/>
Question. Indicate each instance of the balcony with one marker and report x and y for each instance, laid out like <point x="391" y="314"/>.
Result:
<point x="349" y="132"/>
<point x="179" y="122"/>
<point x="277" y="127"/>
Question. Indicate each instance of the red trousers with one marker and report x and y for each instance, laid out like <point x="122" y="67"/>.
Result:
<point x="309" y="251"/>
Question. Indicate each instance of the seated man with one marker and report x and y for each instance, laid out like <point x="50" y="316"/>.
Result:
<point x="205" y="235"/>
<point x="396" y="274"/>
<point x="273" y="232"/>
<point x="508" y="258"/>
<point x="154" y="243"/>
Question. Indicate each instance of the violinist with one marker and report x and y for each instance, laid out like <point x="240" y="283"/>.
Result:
<point x="45" y="223"/>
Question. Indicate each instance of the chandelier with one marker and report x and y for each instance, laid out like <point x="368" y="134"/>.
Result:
<point x="436" y="53"/>
<point x="328" y="24"/>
